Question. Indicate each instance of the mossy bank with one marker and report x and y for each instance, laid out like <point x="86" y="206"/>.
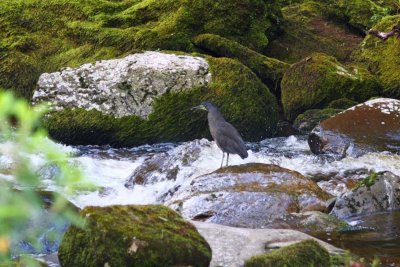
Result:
<point x="43" y="36"/>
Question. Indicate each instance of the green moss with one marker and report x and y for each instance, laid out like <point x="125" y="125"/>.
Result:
<point x="43" y="36"/>
<point x="307" y="253"/>
<point x="81" y="127"/>
<point x="319" y="79"/>
<point x="133" y="236"/>
<point x="360" y="14"/>
<point x="382" y="57"/>
<point x="306" y="121"/>
<point x="306" y="29"/>
<point x="269" y="70"/>
<point x="342" y="103"/>
<point x="243" y="99"/>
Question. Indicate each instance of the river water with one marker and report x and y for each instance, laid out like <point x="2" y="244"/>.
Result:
<point x="109" y="169"/>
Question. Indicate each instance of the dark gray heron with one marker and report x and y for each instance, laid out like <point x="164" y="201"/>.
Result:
<point x="224" y="134"/>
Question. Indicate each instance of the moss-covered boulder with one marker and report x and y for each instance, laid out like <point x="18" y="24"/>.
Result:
<point x="306" y="121"/>
<point x="359" y="14"/>
<point x="319" y="79"/>
<point x="306" y="29"/>
<point x="133" y="236"/>
<point x="241" y="96"/>
<point x="269" y="70"/>
<point x="342" y="103"/>
<point x="383" y="57"/>
<point x="43" y="36"/>
<point x="306" y="253"/>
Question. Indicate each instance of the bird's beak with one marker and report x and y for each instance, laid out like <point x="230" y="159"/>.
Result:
<point x="198" y="107"/>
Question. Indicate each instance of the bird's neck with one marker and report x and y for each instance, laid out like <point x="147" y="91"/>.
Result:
<point x="214" y="116"/>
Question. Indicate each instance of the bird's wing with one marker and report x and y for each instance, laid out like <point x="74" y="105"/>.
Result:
<point x="229" y="139"/>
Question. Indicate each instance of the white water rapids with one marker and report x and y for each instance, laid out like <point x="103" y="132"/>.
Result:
<point x="109" y="168"/>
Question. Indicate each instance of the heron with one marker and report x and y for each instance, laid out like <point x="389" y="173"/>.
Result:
<point x="224" y="134"/>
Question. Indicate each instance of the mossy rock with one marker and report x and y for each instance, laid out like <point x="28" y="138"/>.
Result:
<point x="269" y="70"/>
<point x="306" y="121"/>
<point x="43" y="36"/>
<point x="359" y="14"/>
<point x="307" y="253"/>
<point x="241" y="96"/>
<point x="383" y="57"/>
<point x="319" y="79"/>
<point x="306" y="29"/>
<point x="342" y="103"/>
<point x="133" y="236"/>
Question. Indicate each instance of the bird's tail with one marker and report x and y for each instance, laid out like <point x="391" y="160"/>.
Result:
<point x="243" y="154"/>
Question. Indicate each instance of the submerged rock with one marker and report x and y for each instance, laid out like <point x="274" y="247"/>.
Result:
<point x="319" y="79"/>
<point x="376" y="193"/>
<point x="383" y="57"/>
<point x="370" y="126"/>
<point x="133" y="236"/>
<point x="250" y="195"/>
<point x="232" y="246"/>
<point x="304" y="253"/>
<point x="122" y="87"/>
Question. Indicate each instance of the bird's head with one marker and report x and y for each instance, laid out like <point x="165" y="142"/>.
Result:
<point x="206" y="105"/>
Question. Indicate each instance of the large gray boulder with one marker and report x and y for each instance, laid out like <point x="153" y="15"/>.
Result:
<point x="122" y="87"/>
<point x="249" y="195"/>
<point x="376" y="193"/>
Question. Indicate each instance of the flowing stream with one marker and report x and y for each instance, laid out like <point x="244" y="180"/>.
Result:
<point x="109" y="169"/>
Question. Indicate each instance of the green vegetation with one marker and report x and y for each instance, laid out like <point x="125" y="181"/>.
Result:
<point x="368" y="181"/>
<point x="307" y="253"/>
<point x="342" y="103"/>
<point x="134" y="236"/>
<point x="319" y="79"/>
<point x="43" y="36"/>
<point x="382" y="57"/>
<point x="22" y="136"/>
<point x="306" y="29"/>
<point x="306" y="121"/>
<point x="244" y="100"/>
<point x="269" y="70"/>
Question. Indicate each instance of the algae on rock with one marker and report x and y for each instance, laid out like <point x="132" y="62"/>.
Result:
<point x="319" y="79"/>
<point x="133" y="236"/>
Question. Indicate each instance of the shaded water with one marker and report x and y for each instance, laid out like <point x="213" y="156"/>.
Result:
<point x="109" y="169"/>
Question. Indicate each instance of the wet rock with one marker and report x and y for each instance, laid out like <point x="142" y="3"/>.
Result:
<point x="317" y="222"/>
<point x="376" y="193"/>
<point x="232" y="246"/>
<point x="307" y="121"/>
<point x="250" y="195"/>
<point x="382" y="57"/>
<point x="122" y="87"/>
<point x="319" y="79"/>
<point x="133" y="236"/>
<point x="167" y="165"/>
<point x="304" y="253"/>
<point x="370" y="126"/>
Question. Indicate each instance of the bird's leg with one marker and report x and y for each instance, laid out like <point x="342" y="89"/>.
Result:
<point x="227" y="159"/>
<point x="223" y="155"/>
